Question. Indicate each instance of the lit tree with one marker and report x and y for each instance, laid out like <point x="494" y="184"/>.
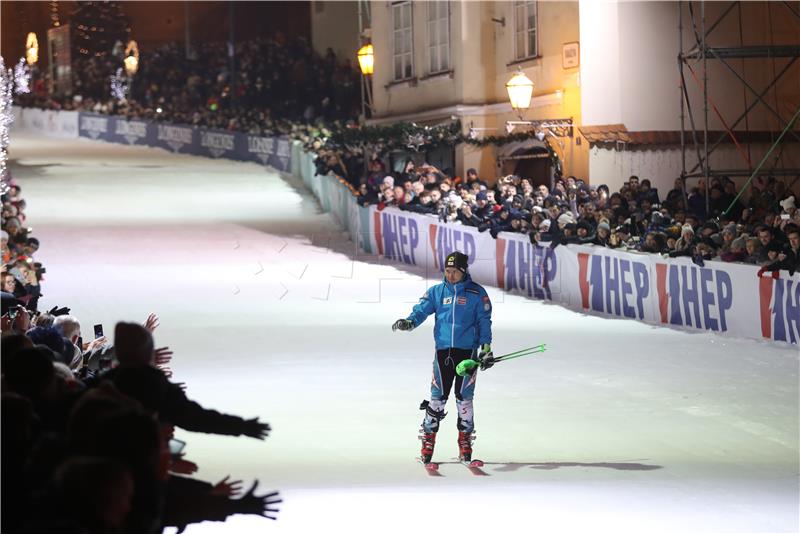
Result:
<point x="97" y="26"/>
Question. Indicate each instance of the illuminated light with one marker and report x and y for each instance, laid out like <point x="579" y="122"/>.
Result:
<point x="520" y="90"/>
<point x="366" y="59"/>
<point x="159" y="110"/>
<point x="131" y="58"/>
<point x="31" y="49"/>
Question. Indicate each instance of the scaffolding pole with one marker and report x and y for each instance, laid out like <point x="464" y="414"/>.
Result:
<point x="701" y="51"/>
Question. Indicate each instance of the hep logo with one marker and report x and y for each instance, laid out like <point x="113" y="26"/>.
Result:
<point x="397" y="237"/>
<point x="694" y="296"/>
<point x="779" y="306"/>
<point x="612" y="285"/>
<point x="525" y="267"/>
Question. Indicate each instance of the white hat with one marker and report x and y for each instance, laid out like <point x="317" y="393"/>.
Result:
<point x="388" y="180"/>
<point x="787" y="203"/>
<point x="687" y="228"/>
<point x="566" y="218"/>
<point x="544" y="226"/>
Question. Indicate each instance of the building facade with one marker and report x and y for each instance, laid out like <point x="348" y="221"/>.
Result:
<point x="611" y="67"/>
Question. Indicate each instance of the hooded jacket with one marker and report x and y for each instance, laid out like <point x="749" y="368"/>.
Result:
<point x="463" y="314"/>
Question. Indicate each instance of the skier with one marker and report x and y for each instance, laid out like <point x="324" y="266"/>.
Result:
<point x="463" y="330"/>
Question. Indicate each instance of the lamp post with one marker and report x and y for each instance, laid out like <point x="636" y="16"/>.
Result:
<point x="131" y="62"/>
<point x="520" y="91"/>
<point x="366" y="61"/>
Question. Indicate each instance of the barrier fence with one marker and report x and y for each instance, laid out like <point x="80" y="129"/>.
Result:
<point x="727" y="298"/>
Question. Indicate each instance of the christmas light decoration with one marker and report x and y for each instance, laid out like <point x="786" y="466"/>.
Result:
<point x="22" y="77"/>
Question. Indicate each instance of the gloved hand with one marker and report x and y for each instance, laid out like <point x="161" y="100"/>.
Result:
<point x="263" y="506"/>
<point x="55" y="310"/>
<point x="402" y="324"/>
<point x="486" y="357"/>
<point x="253" y="428"/>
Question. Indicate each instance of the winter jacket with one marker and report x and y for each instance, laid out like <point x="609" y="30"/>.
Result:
<point x="463" y="314"/>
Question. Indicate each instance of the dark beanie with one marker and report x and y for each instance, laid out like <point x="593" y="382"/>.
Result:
<point x="458" y="260"/>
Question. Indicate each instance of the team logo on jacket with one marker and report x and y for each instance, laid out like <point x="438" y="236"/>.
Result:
<point x="461" y="301"/>
<point x="486" y="304"/>
<point x="447" y="300"/>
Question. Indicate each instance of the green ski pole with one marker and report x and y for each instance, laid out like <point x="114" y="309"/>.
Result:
<point x="468" y="366"/>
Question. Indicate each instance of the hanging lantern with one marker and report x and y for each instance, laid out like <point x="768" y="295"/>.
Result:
<point x="366" y="59"/>
<point x="520" y="90"/>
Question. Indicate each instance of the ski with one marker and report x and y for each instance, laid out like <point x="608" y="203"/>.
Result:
<point x="432" y="468"/>
<point x="475" y="467"/>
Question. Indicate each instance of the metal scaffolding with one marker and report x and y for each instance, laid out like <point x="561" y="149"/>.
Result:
<point x="696" y="136"/>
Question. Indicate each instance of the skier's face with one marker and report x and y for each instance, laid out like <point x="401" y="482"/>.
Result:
<point x="453" y="275"/>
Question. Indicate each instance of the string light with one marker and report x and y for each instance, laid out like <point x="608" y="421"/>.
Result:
<point x="22" y="77"/>
<point x="6" y="118"/>
<point x="119" y="86"/>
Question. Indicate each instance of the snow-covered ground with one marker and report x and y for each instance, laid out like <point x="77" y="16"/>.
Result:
<point x="619" y="426"/>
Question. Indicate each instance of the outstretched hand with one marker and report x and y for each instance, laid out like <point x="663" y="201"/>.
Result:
<point x="162" y="355"/>
<point x="227" y="489"/>
<point x="151" y="323"/>
<point x="402" y="324"/>
<point x="253" y="428"/>
<point x="263" y="506"/>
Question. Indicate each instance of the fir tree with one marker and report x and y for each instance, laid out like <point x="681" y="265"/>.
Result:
<point x="97" y="27"/>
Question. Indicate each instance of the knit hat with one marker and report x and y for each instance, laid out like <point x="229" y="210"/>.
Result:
<point x="604" y="226"/>
<point x="787" y="203"/>
<point x="544" y="226"/>
<point x="566" y="218"/>
<point x="457" y="260"/>
<point x="133" y="343"/>
<point x="687" y="228"/>
<point x="481" y="196"/>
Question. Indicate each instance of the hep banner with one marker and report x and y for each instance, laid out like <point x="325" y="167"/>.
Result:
<point x="720" y="297"/>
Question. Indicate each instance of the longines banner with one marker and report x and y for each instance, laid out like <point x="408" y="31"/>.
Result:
<point x="727" y="298"/>
<point x="272" y="151"/>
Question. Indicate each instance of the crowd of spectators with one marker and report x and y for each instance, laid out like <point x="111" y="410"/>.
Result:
<point x="275" y="82"/>
<point x="763" y="230"/>
<point x="87" y="426"/>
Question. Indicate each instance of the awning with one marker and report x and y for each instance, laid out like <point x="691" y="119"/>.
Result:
<point x="522" y="149"/>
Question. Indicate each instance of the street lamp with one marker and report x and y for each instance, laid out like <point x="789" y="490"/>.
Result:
<point x="131" y="58"/>
<point x="520" y="91"/>
<point x="31" y="49"/>
<point x="366" y="61"/>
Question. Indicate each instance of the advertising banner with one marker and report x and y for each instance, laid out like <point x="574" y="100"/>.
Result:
<point x="275" y="152"/>
<point x="726" y="298"/>
<point x="46" y="122"/>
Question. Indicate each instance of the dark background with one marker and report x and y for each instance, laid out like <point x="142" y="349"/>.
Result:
<point x="156" y="23"/>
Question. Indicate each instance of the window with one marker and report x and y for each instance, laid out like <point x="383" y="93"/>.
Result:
<point x="438" y="37"/>
<point x="403" y="41"/>
<point x="524" y="29"/>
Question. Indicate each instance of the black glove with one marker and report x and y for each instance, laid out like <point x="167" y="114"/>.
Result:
<point x="402" y="324"/>
<point x="251" y="504"/>
<point x="59" y="311"/>
<point x="486" y="357"/>
<point x="253" y="428"/>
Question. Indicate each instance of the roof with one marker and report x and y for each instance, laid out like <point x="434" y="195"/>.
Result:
<point x="618" y="133"/>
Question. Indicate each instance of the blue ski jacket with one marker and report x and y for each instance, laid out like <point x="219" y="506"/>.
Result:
<point x="463" y="314"/>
